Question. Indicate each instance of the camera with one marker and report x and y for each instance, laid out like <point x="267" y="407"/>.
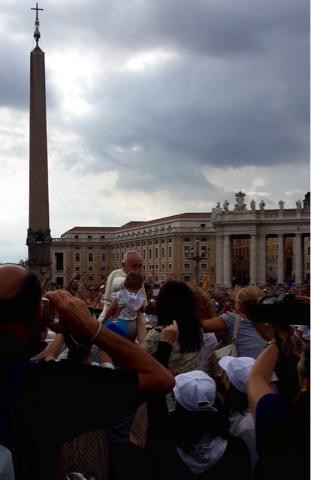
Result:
<point x="282" y="310"/>
<point x="47" y="311"/>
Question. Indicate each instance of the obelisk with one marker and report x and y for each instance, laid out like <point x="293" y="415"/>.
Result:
<point x="38" y="235"/>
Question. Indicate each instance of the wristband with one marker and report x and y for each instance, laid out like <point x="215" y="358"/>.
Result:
<point x="89" y="342"/>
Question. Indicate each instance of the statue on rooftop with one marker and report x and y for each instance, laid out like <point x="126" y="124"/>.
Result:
<point x="226" y="206"/>
<point x="253" y="205"/>
<point x="240" y="205"/>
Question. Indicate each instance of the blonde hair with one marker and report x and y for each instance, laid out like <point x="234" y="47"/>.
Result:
<point x="204" y="307"/>
<point x="247" y="295"/>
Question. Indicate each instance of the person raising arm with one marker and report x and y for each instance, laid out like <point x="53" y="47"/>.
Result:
<point x="76" y="319"/>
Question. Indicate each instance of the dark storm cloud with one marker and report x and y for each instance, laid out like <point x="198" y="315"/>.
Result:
<point x="236" y="94"/>
<point x="14" y="70"/>
<point x="214" y="26"/>
<point x="252" y="112"/>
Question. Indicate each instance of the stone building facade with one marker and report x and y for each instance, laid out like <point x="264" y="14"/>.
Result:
<point x="252" y="244"/>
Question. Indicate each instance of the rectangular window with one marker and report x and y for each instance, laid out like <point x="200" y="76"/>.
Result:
<point x="187" y="251"/>
<point x="77" y="257"/>
<point x="77" y="269"/>
<point x="103" y="257"/>
<point x="156" y="253"/>
<point x="203" y="225"/>
<point x="187" y="266"/>
<point x="76" y="237"/>
<point x="150" y="253"/>
<point x="89" y="237"/>
<point x="186" y="278"/>
<point x="170" y="251"/>
<point x="90" y="258"/>
<point x="163" y="252"/>
<point x="90" y="269"/>
<point x="144" y="254"/>
<point x="163" y="266"/>
<point x="204" y="251"/>
<point x="59" y="261"/>
<point x="170" y="266"/>
<point x="203" y="266"/>
<point x="91" y="278"/>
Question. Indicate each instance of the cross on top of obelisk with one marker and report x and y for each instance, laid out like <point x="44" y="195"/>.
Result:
<point x="37" y="32"/>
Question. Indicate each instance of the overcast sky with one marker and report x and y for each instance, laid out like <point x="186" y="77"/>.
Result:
<point x="154" y="107"/>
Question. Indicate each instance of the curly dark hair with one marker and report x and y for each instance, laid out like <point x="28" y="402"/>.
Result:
<point x="176" y="302"/>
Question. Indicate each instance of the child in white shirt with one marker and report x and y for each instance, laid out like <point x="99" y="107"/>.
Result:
<point x="124" y="314"/>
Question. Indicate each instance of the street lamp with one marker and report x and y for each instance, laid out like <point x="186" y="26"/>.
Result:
<point x="151" y="268"/>
<point x="197" y="259"/>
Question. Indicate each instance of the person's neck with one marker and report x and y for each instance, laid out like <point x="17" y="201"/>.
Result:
<point x="18" y="329"/>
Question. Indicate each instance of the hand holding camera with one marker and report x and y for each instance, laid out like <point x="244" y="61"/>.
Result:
<point x="73" y="315"/>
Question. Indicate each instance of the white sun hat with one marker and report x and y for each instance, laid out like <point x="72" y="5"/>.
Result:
<point x="195" y="391"/>
<point x="237" y="370"/>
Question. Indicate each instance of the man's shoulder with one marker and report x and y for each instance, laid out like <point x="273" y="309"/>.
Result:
<point x="117" y="273"/>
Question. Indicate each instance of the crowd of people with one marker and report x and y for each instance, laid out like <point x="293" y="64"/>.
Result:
<point x="177" y="382"/>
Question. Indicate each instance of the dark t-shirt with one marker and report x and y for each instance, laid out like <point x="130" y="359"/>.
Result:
<point x="282" y="440"/>
<point x="57" y="401"/>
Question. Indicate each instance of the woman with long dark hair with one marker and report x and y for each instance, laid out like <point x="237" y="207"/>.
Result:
<point x="176" y="302"/>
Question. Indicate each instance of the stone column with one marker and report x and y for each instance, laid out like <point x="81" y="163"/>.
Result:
<point x="227" y="261"/>
<point x="281" y="259"/>
<point x="219" y="262"/>
<point x="253" y="260"/>
<point x="298" y="258"/>
<point x="39" y="235"/>
<point x="261" y="259"/>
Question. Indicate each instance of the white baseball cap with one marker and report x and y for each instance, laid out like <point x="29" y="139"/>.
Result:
<point x="195" y="391"/>
<point x="237" y="370"/>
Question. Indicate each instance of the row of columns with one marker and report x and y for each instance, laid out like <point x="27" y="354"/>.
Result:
<point x="257" y="259"/>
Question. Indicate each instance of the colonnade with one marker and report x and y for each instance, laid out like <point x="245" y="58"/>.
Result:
<point x="257" y="266"/>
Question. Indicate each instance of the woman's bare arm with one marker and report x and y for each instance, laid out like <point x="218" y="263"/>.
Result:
<point x="216" y="324"/>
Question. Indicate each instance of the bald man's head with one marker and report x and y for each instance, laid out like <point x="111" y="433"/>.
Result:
<point x="20" y="294"/>
<point x="11" y="277"/>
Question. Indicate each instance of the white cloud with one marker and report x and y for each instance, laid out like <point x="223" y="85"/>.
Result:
<point x="146" y="60"/>
<point x="77" y="72"/>
<point x="275" y="181"/>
